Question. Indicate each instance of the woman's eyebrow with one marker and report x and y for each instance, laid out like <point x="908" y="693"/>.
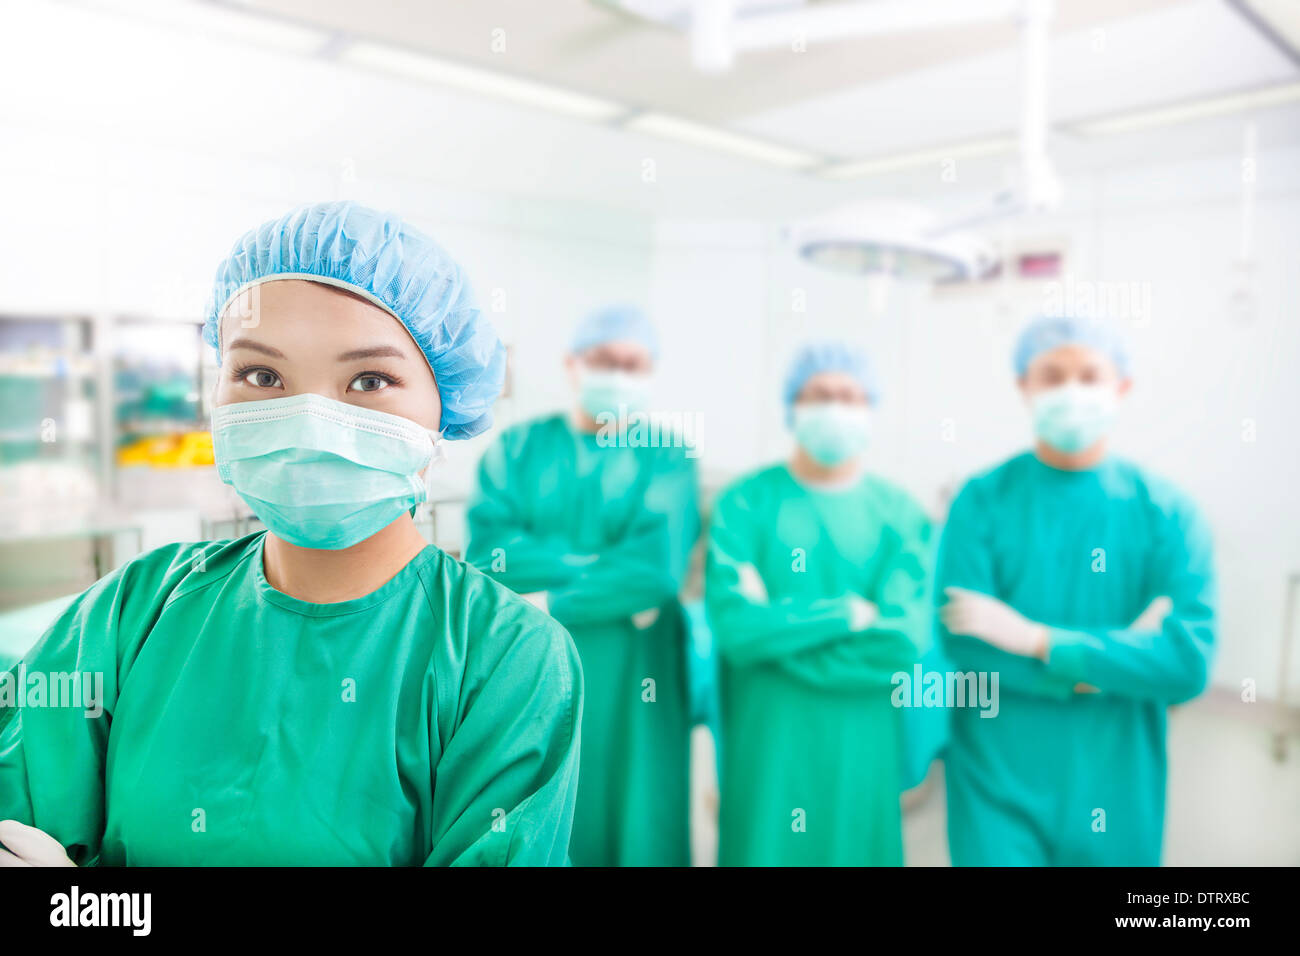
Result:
<point x="256" y="347"/>
<point x="378" y="351"/>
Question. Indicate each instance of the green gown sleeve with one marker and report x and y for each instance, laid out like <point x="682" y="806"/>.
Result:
<point x="965" y="561"/>
<point x="646" y="567"/>
<point x="902" y="631"/>
<point x="52" y="759"/>
<point x="1172" y="664"/>
<point x="506" y="782"/>
<point x="500" y="543"/>
<point x="751" y="631"/>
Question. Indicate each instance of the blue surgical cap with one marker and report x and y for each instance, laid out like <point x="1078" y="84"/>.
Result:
<point x="615" y="323"/>
<point x="828" y="357"/>
<point x="398" y="268"/>
<point x="1049" y="332"/>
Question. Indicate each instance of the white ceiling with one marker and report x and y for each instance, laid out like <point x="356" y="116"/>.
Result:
<point x="1181" y="51"/>
<point x="92" y="79"/>
<point x="850" y="98"/>
<point x="590" y="46"/>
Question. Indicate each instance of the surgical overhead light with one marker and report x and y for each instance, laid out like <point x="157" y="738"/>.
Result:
<point x="894" y="239"/>
<point x="886" y="240"/>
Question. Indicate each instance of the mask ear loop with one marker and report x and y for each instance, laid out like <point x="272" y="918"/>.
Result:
<point x="439" y="449"/>
<point x="438" y="457"/>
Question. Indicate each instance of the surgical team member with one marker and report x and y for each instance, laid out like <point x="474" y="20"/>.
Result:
<point x="595" y="520"/>
<point x="1086" y="583"/>
<point x="818" y="592"/>
<point x="331" y="691"/>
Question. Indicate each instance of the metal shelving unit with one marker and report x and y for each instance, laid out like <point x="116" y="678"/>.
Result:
<point x="63" y="517"/>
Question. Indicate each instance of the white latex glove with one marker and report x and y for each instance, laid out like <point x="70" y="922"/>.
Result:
<point x="28" y="846"/>
<point x="643" y="619"/>
<point x="539" y="599"/>
<point x="980" y="616"/>
<point x="751" y="584"/>
<point x="1153" y="618"/>
<point x="862" y="613"/>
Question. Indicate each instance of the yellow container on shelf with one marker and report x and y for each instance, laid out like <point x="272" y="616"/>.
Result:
<point x="184" y="450"/>
<point x="195" y="450"/>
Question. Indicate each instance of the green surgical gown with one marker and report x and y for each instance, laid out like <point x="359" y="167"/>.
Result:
<point x="1060" y="777"/>
<point x="811" y="768"/>
<point x="606" y="530"/>
<point x="433" y="721"/>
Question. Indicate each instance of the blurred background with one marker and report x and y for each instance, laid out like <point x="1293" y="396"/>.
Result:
<point x="915" y="177"/>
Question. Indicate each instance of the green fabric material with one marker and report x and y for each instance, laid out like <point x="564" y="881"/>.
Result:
<point x="606" y="530"/>
<point x="1084" y="553"/>
<point x="812" y="758"/>
<point x="433" y="721"/>
<point x="22" y="627"/>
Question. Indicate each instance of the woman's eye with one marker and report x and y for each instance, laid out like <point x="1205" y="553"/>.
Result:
<point x="368" y="383"/>
<point x="261" y="378"/>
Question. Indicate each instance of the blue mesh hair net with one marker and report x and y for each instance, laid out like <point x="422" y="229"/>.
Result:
<point x="400" y="269"/>
<point x="1047" y="332"/>
<point x="615" y="323"/>
<point x="828" y="357"/>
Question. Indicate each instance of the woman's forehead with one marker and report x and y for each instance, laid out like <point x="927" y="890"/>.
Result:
<point x="294" y="307"/>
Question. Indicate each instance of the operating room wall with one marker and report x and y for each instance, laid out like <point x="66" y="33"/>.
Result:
<point x="95" y="225"/>
<point x="1215" y="387"/>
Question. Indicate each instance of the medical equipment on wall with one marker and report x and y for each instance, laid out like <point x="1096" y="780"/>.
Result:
<point x="886" y="241"/>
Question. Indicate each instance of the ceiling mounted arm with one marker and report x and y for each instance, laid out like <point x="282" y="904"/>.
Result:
<point x="720" y="29"/>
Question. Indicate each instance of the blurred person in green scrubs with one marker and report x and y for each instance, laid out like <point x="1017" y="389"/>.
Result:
<point x="331" y="691"/>
<point x="593" y="514"/>
<point x="818" y="593"/>
<point x="1086" y="583"/>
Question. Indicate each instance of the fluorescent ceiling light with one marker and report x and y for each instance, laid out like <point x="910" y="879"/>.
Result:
<point x="1195" y="110"/>
<point x="430" y="69"/>
<point x="1119" y="123"/>
<point x="711" y="137"/>
<point x="209" y="20"/>
<point x="991" y="146"/>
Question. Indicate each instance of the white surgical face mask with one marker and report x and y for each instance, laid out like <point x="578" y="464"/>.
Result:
<point x="832" y="432"/>
<point x="603" y="391"/>
<point x="321" y="473"/>
<point x="1072" y="418"/>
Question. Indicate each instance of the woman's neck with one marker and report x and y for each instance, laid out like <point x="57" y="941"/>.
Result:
<point x="327" y="577"/>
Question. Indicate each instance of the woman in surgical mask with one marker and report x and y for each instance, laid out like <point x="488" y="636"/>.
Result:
<point x="333" y="690"/>
<point x="817" y="590"/>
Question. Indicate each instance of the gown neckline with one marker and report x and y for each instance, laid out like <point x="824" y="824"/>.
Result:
<point x="398" y="583"/>
<point x="830" y="488"/>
